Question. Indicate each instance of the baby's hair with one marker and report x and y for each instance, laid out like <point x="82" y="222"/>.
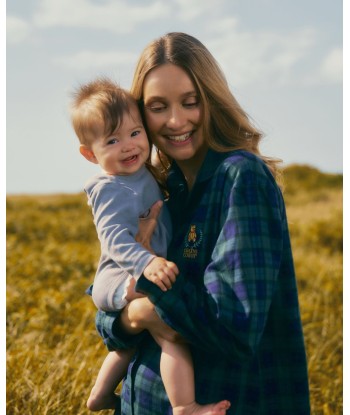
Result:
<point x="99" y="104"/>
<point x="102" y="104"/>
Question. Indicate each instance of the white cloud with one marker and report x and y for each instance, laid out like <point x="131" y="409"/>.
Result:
<point x="332" y="66"/>
<point x="249" y="57"/>
<point x="113" y="15"/>
<point x="328" y="71"/>
<point x="190" y="10"/>
<point x="96" y="60"/>
<point x="17" y="29"/>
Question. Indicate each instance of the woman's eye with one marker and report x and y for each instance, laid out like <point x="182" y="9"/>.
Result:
<point x="156" y="107"/>
<point x="191" y="103"/>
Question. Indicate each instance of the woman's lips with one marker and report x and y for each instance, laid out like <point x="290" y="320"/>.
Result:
<point x="180" y="138"/>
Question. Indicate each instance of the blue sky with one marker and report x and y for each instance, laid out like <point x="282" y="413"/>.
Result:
<point x="282" y="59"/>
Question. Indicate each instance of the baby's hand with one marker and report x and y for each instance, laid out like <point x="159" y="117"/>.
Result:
<point x="161" y="272"/>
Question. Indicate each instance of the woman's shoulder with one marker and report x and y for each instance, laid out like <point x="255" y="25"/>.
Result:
<point x="242" y="160"/>
<point x="244" y="167"/>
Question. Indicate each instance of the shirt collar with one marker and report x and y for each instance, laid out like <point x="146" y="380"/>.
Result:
<point x="211" y="162"/>
<point x="181" y="203"/>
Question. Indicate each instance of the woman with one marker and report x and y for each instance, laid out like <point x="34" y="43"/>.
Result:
<point x="235" y="300"/>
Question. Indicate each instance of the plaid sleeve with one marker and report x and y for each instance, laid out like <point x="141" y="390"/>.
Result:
<point x="242" y="275"/>
<point x="228" y="313"/>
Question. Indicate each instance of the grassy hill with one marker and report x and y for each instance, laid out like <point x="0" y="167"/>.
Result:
<point x="53" y="351"/>
<point x="315" y="212"/>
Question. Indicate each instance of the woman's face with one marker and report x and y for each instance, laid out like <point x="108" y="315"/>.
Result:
<point x="173" y="114"/>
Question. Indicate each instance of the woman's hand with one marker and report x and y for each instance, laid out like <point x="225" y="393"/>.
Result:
<point x="147" y="226"/>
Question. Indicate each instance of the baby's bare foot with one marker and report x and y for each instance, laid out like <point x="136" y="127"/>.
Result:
<point x="194" y="408"/>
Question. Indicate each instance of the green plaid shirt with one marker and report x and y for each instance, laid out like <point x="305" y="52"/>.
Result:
<point x="235" y="300"/>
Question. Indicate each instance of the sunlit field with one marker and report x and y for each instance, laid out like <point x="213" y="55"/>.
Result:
<point x="53" y="350"/>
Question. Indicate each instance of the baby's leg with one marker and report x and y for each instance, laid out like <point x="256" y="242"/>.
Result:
<point x="112" y="372"/>
<point x="177" y="374"/>
<point x="176" y="361"/>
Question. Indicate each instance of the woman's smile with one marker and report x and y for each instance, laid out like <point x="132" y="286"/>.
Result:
<point x="180" y="138"/>
<point x="173" y="115"/>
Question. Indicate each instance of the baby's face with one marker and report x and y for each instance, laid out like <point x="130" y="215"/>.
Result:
<point x="126" y="150"/>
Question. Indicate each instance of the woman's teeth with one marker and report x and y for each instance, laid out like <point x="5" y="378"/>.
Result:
<point x="179" y="138"/>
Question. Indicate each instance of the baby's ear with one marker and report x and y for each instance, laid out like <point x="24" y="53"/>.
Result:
<point x="88" y="153"/>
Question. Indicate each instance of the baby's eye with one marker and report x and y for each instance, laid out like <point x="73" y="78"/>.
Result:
<point x="135" y="133"/>
<point x="112" y="141"/>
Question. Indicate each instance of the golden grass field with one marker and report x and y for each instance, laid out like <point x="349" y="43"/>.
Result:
<point x="53" y="351"/>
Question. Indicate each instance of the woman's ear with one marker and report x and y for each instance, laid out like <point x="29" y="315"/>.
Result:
<point x="88" y="153"/>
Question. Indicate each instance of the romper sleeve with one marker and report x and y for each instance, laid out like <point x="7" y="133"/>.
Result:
<point x="228" y="312"/>
<point x="116" y="218"/>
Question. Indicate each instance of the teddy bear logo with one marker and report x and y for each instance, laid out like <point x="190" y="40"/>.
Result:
<point x="192" y="235"/>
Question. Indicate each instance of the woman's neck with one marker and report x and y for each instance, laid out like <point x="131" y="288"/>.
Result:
<point x="190" y="179"/>
<point x="191" y="167"/>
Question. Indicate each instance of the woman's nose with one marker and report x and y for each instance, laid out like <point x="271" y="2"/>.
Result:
<point x="176" y="118"/>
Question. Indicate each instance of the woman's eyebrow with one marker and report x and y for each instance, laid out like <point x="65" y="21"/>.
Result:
<point x="153" y="98"/>
<point x="158" y="97"/>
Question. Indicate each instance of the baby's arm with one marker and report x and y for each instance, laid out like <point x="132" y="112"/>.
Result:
<point x="159" y="271"/>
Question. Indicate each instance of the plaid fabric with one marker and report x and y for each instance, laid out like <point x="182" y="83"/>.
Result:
<point x="235" y="300"/>
<point x="107" y="327"/>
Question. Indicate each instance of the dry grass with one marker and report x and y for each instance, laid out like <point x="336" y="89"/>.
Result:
<point x="315" y="214"/>
<point x="53" y="351"/>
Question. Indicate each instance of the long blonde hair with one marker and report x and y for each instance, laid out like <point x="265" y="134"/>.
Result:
<point x="226" y="125"/>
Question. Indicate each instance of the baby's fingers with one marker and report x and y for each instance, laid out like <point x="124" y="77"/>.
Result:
<point x="162" y="281"/>
<point x="173" y="267"/>
<point x="167" y="279"/>
<point x="171" y="276"/>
